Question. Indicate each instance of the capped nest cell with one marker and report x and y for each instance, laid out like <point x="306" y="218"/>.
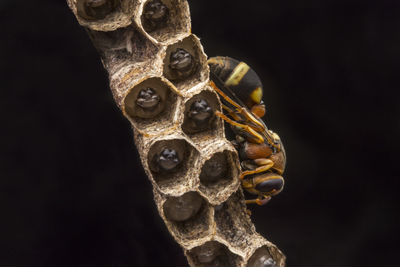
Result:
<point x="188" y="217"/>
<point x="212" y="253"/>
<point x="151" y="103"/>
<point x="185" y="64"/>
<point x="165" y="20"/>
<point x="103" y="15"/>
<point x="170" y="162"/>
<point x="219" y="176"/>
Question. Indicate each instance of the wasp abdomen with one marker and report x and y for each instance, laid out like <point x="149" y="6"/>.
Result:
<point x="238" y="77"/>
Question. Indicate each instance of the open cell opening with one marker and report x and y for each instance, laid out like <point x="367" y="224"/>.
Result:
<point x="150" y="101"/>
<point x="218" y="174"/>
<point x="165" y="20"/>
<point x="261" y="258"/>
<point x="169" y="161"/>
<point x="104" y="15"/>
<point x="97" y="9"/>
<point x="200" y="118"/>
<point x="185" y="63"/>
<point x="213" y="253"/>
<point x="217" y="170"/>
<point x="122" y="45"/>
<point x="188" y="216"/>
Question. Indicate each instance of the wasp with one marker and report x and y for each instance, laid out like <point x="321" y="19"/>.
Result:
<point x="261" y="152"/>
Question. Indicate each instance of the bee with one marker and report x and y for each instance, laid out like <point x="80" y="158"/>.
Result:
<point x="261" y="151"/>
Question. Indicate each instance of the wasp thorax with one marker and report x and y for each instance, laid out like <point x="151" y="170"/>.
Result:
<point x="96" y="9"/>
<point x="182" y="63"/>
<point x="182" y="208"/>
<point x="148" y="98"/>
<point x="167" y="160"/>
<point x="155" y="15"/>
<point x="261" y="258"/>
<point x="207" y="252"/>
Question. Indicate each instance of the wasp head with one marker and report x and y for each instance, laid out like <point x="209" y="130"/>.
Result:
<point x="182" y="63"/>
<point x="155" y="15"/>
<point x="148" y="98"/>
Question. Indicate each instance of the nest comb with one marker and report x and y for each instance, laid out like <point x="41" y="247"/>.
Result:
<point x="206" y="215"/>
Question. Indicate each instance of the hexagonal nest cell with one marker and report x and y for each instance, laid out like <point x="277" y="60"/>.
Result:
<point x="261" y="257"/>
<point x="116" y="47"/>
<point x="168" y="161"/>
<point x="212" y="253"/>
<point x="165" y="20"/>
<point x="233" y="223"/>
<point x="185" y="63"/>
<point x="103" y="15"/>
<point x="200" y="122"/>
<point x="218" y="174"/>
<point x="188" y="216"/>
<point x="150" y="104"/>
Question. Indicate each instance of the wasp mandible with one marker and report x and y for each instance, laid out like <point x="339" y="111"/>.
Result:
<point x="260" y="150"/>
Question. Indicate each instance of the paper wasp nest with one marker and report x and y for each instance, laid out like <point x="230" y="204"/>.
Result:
<point x="193" y="168"/>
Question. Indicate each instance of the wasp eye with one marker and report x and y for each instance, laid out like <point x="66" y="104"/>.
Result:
<point x="96" y="9"/>
<point x="182" y="208"/>
<point x="182" y="63"/>
<point x="168" y="159"/>
<point x="155" y="15"/>
<point x="270" y="186"/>
<point x="148" y="98"/>
<point x="261" y="258"/>
<point x="200" y="112"/>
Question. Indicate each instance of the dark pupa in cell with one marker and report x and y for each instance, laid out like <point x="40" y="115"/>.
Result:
<point x="182" y="64"/>
<point x="201" y="114"/>
<point x="96" y="9"/>
<point x="183" y="208"/>
<point x="214" y="169"/>
<point x="261" y="258"/>
<point x="155" y="15"/>
<point x="207" y="252"/>
<point x="167" y="160"/>
<point x="148" y="98"/>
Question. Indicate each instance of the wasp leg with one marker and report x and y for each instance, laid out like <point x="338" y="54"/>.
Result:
<point x="256" y="125"/>
<point x="239" y="109"/>
<point x="231" y="113"/>
<point x="257" y="137"/>
<point x="266" y="167"/>
<point x="259" y="201"/>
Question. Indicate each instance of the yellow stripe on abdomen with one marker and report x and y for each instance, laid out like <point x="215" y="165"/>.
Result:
<point x="237" y="74"/>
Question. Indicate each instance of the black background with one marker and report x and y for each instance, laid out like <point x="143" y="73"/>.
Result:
<point x="73" y="192"/>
